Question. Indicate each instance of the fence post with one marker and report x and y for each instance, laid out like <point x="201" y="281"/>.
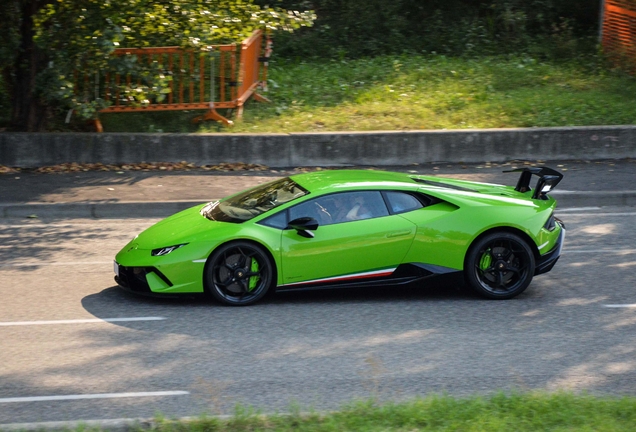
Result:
<point x="212" y="114"/>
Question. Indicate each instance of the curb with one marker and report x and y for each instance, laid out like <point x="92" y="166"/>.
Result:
<point x="111" y="425"/>
<point x="568" y="199"/>
<point x="161" y="209"/>
<point x="107" y="210"/>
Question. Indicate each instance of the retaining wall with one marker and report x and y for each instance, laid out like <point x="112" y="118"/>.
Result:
<point x="322" y="149"/>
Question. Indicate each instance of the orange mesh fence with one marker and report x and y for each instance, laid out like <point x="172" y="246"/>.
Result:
<point x="619" y="32"/>
<point x="248" y="75"/>
<point x="190" y="82"/>
<point x="223" y="78"/>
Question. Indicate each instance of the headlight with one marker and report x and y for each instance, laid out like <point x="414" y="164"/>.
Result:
<point x="166" y="250"/>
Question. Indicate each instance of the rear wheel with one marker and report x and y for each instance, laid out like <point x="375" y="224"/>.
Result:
<point x="238" y="273"/>
<point x="499" y="265"/>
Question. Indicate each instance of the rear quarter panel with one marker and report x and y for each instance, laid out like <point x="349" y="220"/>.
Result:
<point x="446" y="230"/>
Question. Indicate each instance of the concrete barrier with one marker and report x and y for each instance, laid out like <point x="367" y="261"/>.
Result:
<point x="322" y="149"/>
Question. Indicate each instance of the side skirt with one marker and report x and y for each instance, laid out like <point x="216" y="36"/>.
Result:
<point x="402" y="275"/>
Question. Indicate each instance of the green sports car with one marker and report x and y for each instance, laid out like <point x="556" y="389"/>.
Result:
<point x="345" y="228"/>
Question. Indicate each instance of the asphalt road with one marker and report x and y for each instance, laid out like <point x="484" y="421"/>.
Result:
<point x="317" y="350"/>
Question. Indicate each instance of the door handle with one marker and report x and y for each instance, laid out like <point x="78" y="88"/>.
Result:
<point x="398" y="233"/>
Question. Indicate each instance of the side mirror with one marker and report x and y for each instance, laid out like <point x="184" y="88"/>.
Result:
<point x="304" y="226"/>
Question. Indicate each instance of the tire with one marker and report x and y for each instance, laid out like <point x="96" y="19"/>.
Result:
<point x="238" y="274"/>
<point x="499" y="266"/>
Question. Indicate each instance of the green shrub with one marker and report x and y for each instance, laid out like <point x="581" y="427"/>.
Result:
<point x="360" y="28"/>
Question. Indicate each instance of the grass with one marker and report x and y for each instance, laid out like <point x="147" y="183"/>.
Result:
<point x="419" y="92"/>
<point x="501" y="412"/>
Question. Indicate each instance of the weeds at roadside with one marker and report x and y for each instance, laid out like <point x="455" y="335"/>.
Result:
<point x="521" y="412"/>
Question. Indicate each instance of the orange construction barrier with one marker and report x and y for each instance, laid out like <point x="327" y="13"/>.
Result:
<point x="223" y="78"/>
<point x="619" y="32"/>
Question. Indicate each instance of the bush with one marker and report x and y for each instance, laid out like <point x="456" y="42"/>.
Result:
<point x="361" y="28"/>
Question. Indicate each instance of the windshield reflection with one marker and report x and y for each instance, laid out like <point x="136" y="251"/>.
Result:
<point x="253" y="202"/>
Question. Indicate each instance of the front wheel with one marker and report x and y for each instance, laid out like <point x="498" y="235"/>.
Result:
<point x="499" y="265"/>
<point x="238" y="273"/>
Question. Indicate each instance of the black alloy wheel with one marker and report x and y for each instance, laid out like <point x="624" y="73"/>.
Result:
<point x="499" y="265"/>
<point x="238" y="273"/>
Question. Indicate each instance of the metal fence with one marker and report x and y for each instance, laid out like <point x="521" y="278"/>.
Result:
<point x="223" y="77"/>
<point x="619" y="32"/>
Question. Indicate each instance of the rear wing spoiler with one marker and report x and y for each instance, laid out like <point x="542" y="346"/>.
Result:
<point x="548" y="179"/>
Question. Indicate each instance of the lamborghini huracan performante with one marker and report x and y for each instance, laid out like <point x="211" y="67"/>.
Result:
<point x="346" y="228"/>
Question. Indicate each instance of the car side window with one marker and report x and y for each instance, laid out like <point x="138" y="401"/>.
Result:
<point x="342" y="207"/>
<point x="278" y="220"/>
<point x="401" y="202"/>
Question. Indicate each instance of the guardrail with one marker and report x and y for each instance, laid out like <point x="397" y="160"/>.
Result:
<point x="224" y="77"/>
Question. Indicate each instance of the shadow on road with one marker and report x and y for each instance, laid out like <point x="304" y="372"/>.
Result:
<point x="450" y="289"/>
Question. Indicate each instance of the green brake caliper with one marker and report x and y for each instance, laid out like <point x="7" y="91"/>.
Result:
<point x="253" y="279"/>
<point x="485" y="261"/>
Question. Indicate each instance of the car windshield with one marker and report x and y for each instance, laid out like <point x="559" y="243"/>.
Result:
<point x="253" y="202"/>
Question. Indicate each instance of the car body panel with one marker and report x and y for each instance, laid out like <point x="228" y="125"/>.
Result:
<point x="435" y="238"/>
<point x="346" y="248"/>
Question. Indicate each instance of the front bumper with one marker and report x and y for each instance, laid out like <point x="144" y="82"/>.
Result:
<point x="547" y="261"/>
<point x="134" y="279"/>
<point x="153" y="281"/>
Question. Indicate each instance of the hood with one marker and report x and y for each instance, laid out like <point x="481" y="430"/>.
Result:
<point x="186" y="226"/>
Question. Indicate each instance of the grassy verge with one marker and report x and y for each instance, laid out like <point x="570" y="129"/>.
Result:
<point x="521" y="412"/>
<point x="420" y="92"/>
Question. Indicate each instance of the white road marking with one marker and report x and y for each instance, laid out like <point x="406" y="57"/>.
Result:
<point x="630" y="306"/>
<point x="596" y="251"/>
<point x="44" y="263"/>
<point x="79" y="321"/>
<point x="575" y="209"/>
<point x="92" y="396"/>
<point x="592" y="214"/>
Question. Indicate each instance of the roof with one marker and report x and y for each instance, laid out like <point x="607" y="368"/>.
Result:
<point x="352" y="179"/>
<point x="453" y="190"/>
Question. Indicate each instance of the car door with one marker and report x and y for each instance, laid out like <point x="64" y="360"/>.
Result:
<point x="362" y="242"/>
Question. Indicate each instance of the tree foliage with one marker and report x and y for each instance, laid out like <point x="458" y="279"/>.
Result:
<point x="45" y="42"/>
<point x="57" y="40"/>
<point x="357" y="28"/>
